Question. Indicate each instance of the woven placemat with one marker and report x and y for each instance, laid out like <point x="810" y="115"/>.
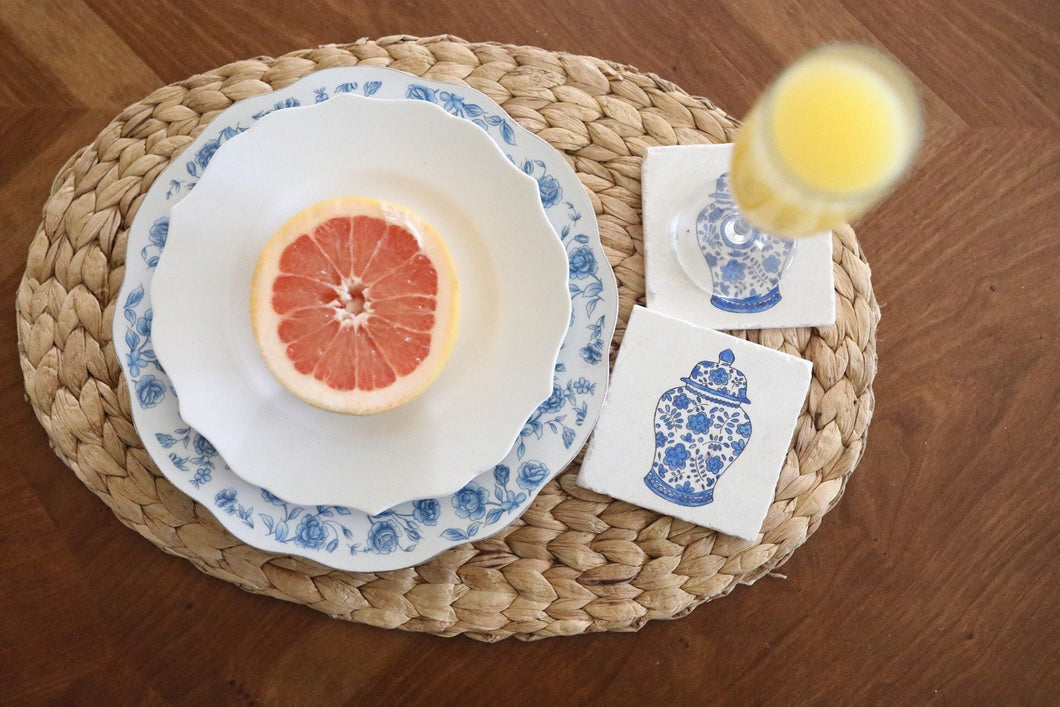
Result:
<point x="576" y="561"/>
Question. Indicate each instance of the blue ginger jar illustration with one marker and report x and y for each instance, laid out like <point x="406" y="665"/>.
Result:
<point x="700" y="430"/>
<point x="746" y="264"/>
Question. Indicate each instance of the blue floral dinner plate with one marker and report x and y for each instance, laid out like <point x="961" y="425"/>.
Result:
<point x="410" y="533"/>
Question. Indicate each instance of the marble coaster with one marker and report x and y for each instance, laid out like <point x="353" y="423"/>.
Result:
<point x="696" y="424"/>
<point x="706" y="265"/>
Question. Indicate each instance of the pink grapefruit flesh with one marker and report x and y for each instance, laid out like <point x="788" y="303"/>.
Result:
<point x="354" y="304"/>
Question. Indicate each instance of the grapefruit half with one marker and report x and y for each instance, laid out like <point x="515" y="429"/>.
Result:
<point x="354" y="304"/>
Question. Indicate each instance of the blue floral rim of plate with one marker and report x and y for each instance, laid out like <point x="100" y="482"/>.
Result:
<point x="410" y="533"/>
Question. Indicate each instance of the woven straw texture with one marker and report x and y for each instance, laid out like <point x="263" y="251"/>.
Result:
<point x="576" y="561"/>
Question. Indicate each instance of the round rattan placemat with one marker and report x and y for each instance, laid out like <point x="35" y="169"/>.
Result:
<point x="576" y="561"/>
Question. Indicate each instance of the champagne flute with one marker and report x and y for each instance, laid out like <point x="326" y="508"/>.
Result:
<point x="827" y="140"/>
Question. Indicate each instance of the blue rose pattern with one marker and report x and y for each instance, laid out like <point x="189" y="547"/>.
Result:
<point x="592" y="352"/>
<point x="156" y="241"/>
<point x="383" y="537"/>
<point x="322" y="530"/>
<point x="156" y="236"/>
<point x="477" y="504"/>
<point x="150" y="391"/>
<point x="470" y="501"/>
<point x="311" y="533"/>
<point x="555" y="401"/>
<point x="203" y="446"/>
<point x="203" y="156"/>
<point x="532" y="475"/>
<point x="550" y="190"/>
<point x="582" y="263"/>
<point x="427" y="511"/>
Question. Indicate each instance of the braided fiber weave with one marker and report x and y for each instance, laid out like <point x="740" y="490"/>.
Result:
<point x="576" y="561"/>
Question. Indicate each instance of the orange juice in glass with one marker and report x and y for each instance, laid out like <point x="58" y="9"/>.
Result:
<point x="829" y="138"/>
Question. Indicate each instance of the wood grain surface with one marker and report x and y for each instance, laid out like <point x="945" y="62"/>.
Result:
<point x="934" y="580"/>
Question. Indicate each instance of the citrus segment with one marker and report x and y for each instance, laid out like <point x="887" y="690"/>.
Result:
<point x="333" y="239"/>
<point x="292" y="293"/>
<point x="394" y="250"/>
<point x="354" y="305"/>
<point x="367" y="232"/>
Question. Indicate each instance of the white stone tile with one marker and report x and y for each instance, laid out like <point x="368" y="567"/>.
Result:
<point x="678" y="184"/>
<point x="708" y="451"/>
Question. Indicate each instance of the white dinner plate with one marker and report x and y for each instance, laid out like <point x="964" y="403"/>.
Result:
<point x="514" y="304"/>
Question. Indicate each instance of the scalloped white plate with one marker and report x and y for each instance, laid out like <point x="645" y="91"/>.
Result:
<point x="511" y="266"/>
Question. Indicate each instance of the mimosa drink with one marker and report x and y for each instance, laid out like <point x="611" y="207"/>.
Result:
<point x="827" y="140"/>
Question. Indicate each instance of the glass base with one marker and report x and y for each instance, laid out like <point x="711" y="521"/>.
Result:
<point x="750" y="304"/>
<point x="740" y="266"/>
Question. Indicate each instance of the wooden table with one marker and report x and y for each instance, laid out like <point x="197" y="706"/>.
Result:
<point x="935" y="580"/>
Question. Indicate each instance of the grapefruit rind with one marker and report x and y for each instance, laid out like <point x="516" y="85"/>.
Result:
<point x="266" y="321"/>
